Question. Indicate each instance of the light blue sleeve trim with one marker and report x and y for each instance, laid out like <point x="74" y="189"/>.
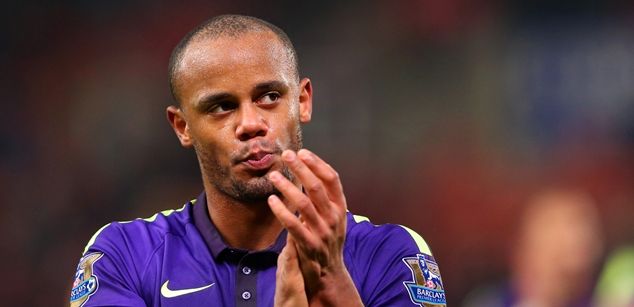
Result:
<point x="420" y="242"/>
<point x="149" y="219"/>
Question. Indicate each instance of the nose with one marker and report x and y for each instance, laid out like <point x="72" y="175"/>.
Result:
<point x="250" y="123"/>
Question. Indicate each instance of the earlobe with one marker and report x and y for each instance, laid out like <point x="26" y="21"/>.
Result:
<point x="305" y="100"/>
<point x="178" y="122"/>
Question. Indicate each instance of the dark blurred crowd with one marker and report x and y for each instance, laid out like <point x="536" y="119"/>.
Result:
<point x="502" y="132"/>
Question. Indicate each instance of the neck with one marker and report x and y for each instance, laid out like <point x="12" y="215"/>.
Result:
<point x="249" y="226"/>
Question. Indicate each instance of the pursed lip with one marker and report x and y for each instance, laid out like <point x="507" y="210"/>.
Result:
<point x="259" y="160"/>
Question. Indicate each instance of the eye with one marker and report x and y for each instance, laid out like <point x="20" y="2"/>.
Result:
<point x="222" y="107"/>
<point x="269" y="98"/>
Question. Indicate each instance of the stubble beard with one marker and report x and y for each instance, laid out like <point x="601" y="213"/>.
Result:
<point x="251" y="190"/>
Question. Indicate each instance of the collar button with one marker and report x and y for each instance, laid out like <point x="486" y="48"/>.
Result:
<point x="246" y="270"/>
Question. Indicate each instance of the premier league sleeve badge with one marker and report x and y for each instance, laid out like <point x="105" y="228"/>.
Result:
<point x="427" y="288"/>
<point x="86" y="282"/>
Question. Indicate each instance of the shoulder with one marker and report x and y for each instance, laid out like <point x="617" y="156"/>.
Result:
<point x="363" y="234"/>
<point x="117" y="256"/>
<point x="391" y="264"/>
<point x="142" y="235"/>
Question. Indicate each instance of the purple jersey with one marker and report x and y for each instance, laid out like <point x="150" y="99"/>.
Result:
<point x="178" y="258"/>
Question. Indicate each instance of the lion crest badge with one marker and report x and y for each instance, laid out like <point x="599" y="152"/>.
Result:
<point x="427" y="288"/>
<point x="86" y="282"/>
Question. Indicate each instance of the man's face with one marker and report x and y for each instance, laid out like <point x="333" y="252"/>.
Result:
<point x="241" y="106"/>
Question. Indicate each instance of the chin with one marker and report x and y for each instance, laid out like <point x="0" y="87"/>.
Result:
<point x="256" y="189"/>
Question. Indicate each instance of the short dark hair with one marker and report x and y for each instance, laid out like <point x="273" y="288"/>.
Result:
<point x="227" y="25"/>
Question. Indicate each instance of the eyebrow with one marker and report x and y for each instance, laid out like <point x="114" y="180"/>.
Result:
<point x="269" y="85"/>
<point x="210" y="99"/>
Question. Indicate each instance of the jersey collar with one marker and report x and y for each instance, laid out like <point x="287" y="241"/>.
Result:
<point x="217" y="246"/>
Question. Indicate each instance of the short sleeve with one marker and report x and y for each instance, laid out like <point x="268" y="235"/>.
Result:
<point x="395" y="267"/>
<point x="104" y="276"/>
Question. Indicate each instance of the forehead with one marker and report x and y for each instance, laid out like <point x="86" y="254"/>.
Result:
<point x="247" y="56"/>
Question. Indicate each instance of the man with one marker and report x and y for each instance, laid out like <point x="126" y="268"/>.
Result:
<point x="271" y="226"/>
<point x="555" y="255"/>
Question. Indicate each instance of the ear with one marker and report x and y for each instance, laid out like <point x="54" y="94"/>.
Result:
<point x="176" y="118"/>
<point x="305" y="100"/>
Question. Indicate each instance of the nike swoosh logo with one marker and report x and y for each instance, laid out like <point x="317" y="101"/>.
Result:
<point x="166" y="292"/>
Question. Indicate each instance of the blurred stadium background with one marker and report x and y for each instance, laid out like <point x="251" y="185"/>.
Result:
<point x="446" y="116"/>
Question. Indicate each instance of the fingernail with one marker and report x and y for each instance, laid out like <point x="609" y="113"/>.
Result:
<point x="288" y="155"/>
<point x="304" y="154"/>
<point x="274" y="176"/>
